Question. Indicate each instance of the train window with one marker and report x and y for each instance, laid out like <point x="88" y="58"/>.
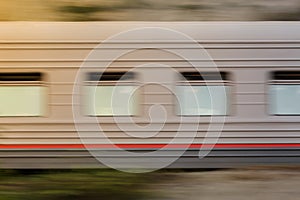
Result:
<point x="111" y="94"/>
<point x="285" y="93"/>
<point x="204" y="94"/>
<point x="22" y="94"/>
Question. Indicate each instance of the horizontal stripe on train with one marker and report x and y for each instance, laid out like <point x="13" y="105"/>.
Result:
<point x="147" y="146"/>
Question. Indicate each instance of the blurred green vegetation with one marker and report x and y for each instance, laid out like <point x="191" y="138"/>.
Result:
<point x="149" y="10"/>
<point x="72" y="184"/>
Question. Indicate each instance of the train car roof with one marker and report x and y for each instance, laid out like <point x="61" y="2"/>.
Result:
<point x="199" y="31"/>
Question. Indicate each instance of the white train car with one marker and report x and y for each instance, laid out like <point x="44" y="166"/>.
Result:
<point x="230" y="90"/>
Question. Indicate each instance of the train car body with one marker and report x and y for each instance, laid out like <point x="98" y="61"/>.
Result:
<point x="46" y="69"/>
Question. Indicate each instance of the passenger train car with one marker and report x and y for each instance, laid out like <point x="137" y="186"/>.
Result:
<point x="208" y="94"/>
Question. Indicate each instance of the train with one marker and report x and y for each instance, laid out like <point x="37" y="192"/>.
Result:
<point x="149" y="94"/>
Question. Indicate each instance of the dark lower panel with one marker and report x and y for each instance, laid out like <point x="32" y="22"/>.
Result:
<point x="82" y="159"/>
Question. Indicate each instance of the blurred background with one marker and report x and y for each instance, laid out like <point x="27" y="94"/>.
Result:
<point x="149" y="10"/>
<point x="259" y="183"/>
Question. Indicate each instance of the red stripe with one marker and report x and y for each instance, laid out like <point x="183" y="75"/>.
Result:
<point x="146" y="146"/>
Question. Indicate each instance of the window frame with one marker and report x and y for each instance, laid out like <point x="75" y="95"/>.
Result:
<point x="128" y="80"/>
<point x="281" y="80"/>
<point x="25" y="79"/>
<point x="208" y="81"/>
